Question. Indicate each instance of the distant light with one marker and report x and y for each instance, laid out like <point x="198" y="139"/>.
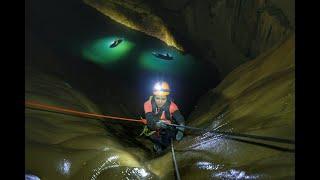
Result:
<point x="98" y="51"/>
<point x="115" y="43"/>
<point x="64" y="167"/>
<point x="180" y="64"/>
<point x="105" y="149"/>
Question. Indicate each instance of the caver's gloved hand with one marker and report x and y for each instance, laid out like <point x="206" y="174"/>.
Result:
<point x="161" y="125"/>
<point x="179" y="134"/>
<point x="180" y="121"/>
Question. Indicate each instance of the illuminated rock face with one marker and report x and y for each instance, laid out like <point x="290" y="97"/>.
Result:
<point x="137" y="16"/>
<point x="256" y="98"/>
<point x="60" y="146"/>
<point x="225" y="32"/>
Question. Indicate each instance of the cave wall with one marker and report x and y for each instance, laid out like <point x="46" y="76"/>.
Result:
<point x="229" y="32"/>
<point x="60" y="146"/>
<point x="224" y="32"/>
<point x="256" y="98"/>
<point x="260" y="103"/>
<point x="262" y="83"/>
<point x="136" y="15"/>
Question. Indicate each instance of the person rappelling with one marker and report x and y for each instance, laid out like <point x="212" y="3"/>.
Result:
<point x="162" y="129"/>
<point x="160" y="110"/>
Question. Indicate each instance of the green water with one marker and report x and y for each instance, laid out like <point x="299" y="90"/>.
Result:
<point x="80" y="38"/>
<point x="64" y="147"/>
<point x="137" y="56"/>
<point x="133" y="63"/>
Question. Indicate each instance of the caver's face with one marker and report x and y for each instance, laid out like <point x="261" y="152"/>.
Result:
<point x="160" y="100"/>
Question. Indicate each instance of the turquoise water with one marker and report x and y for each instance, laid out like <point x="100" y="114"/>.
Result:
<point x="81" y="40"/>
<point x="137" y="56"/>
<point x="132" y="60"/>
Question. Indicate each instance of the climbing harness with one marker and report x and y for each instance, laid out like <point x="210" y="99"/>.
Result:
<point x="146" y="131"/>
<point x="175" y="161"/>
<point x="44" y="107"/>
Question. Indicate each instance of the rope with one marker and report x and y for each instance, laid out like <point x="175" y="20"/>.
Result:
<point x="175" y="161"/>
<point x="70" y="111"/>
<point x="56" y="109"/>
<point x="39" y="106"/>
<point x="273" y="139"/>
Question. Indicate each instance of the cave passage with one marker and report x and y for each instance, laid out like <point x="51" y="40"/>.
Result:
<point x="80" y="39"/>
<point x="79" y="60"/>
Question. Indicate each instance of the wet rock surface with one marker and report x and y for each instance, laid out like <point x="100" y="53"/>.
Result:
<point x="224" y="32"/>
<point x="138" y="16"/>
<point x="60" y="146"/>
<point x="257" y="98"/>
<point x="248" y="42"/>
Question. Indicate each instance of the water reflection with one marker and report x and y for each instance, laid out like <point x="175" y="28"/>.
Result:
<point x="31" y="177"/>
<point x="208" y="166"/>
<point x="206" y="141"/>
<point x="235" y="174"/>
<point x="64" y="167"/>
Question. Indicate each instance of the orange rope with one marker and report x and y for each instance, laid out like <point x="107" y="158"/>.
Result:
<point x="70" y="111"/>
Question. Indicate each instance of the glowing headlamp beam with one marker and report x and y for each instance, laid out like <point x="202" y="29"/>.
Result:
<point x="157" y="87"/>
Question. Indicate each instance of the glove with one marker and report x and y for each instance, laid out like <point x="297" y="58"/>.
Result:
<point x="179" y="136"/>
<point x="161" y="124"/>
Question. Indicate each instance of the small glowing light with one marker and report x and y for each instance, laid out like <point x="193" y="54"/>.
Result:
<point x="141" y="172"/>
<point x="149" y="60"/>
<point x="157" y="86"/>
<point x="105" y="149"/>
<point x="207" y="166"/>
<point x="235" y="174"/>
<point x="64" y="167"/>
<point x="99" y="51"/>
<point x="113" y="158"/>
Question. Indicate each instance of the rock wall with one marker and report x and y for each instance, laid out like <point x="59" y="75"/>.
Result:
<point x="60" y="146"/>
<point x="256" y="98"/>
<point x="136" y="15"/>
<point x="224" y="32"/>
<point x="230" y="32"/>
